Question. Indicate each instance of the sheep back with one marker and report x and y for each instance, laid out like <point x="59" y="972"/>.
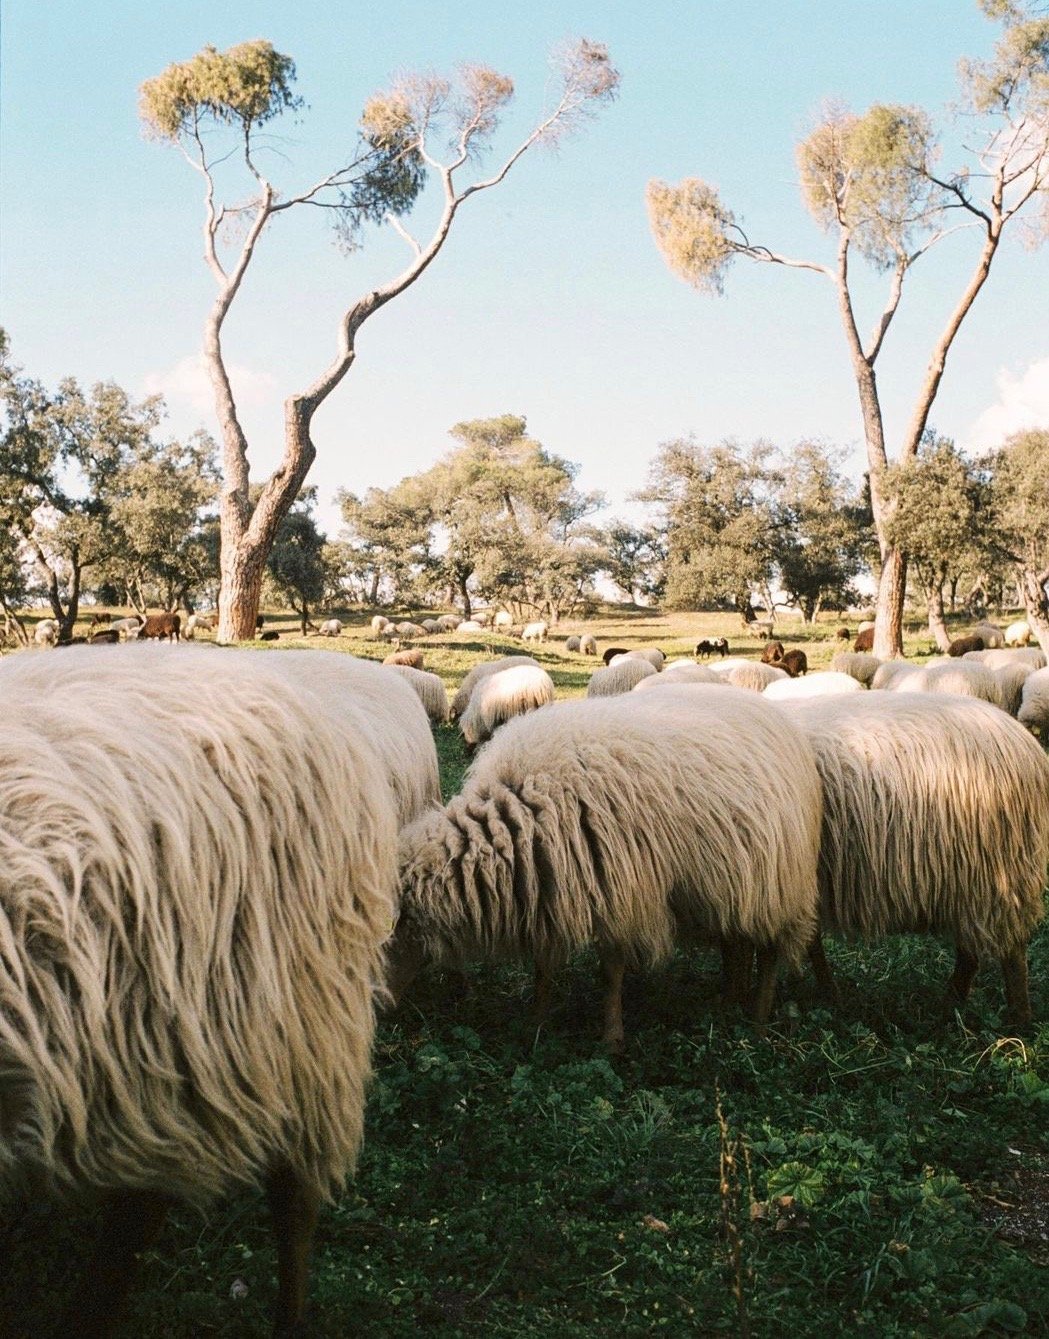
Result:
<point x="1034" y="703"/>
<point x="619" y="677"/>
<point x="860" y="666"/>
<point x="823" y="683"/>
<point x="462" y="697"/>
<point x="499" y="697"/>
<point x="429" y="688"/>
<point x="755" y="676"/>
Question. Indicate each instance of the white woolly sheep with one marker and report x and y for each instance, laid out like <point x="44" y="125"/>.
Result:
<point x="479" y="672"/>
<point x="379" y="622"/>
<point x="470" y="625"/>
<point x="755" y="676"/>
<point x="500" y="697"/>
<point x="412" y="657"/>
<point x="824" y="683"/>
<point x="652" y="654"/>
<point x="993" y="636"/>
<point x="387" y="710"/>
<point x="46" y="632"/>
<point x="629" y="825"/>
<point x="1018" y="655"/>
<point x="429" y="688"/>
<point x="449" y="622"/>
<point x="682" y="671"/>
<point x="1018" y="633"/>
<point x="127" y="627"/>
<point x="866" y="626"/>
<point x="572" y="643"/>
<point x="887" y="673"/>
<point x="729" y="663"/>
<point x="588" y="645"/>
<point x="858" y="664"/>
<point x="957" y="677"/>
<point x="621" y="676"/>
<point x="1011" y="680"/>
<point x="409" y="629"/>
<point x="483" y="616"/>
<point x="206" y="622"/>
<point x="431" y="626"/>
<point x="331" y="627"/>
<point x="935" y="819"/>
<point x="191" y="936"/>
<point x="1034" y="704"/>
<point x="535" y="632"/>
<point x="503" y="619"/>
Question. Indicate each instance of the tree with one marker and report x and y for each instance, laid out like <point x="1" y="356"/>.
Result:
<point x="821" y="532"/>
<point x="720" y="519"/>
<point x="14" y="589"/>
<point x="241" y="91"/>
<point x="297" y="567"/>
<point x="1018" y="480"/>
<point x="872" y="180"/>
<point x="636" y="560"/>
<point x="939" y="520"/>
<point x="387" y="541"/>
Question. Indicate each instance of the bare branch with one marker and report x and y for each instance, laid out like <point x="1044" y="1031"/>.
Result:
<point x="402" y="231"/>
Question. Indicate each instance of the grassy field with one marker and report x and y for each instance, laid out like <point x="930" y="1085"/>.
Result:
<point x="881" y="1170"/>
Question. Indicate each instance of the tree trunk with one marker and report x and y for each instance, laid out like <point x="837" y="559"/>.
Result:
<point x="888" y="617"/>
<point x="240" y="590"/>
<point x="937" y="622"/>
<point x="464" y="595"/>
<point x="1036" y="602"/>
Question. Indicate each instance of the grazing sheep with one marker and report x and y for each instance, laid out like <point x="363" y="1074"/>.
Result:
<point x="428" y="688"/>
<point x="517" y="631"/>
<point x="449" y="622"/>
<point x="470" y="625"/>
<point x="1018" y="633"/>
<point x="711" y="646"/>
<point x="629" y="825"/>
<point x="1034" y="704"/>
<point x="271" y="635"/>
<point x="127" y="627"/>
<point x="958" y="677"/>
<point x="887" y="673"/>
<point x="503" y="619"/>
<point x="652" y="654"/>
<point x="483" y="616"/>
<point x="388" y="711"/>
<point x="762" y="628"/>
<point x="864" y="639"/>
<point x="431" y="627"/>
<point x="588" y="645"/>
<point x="610" y="654"/>
<point x="462" y="698"/>
<point x="46" y="632"/>
<point x="104" y="636"/>
<point x="866" y="626"/>
<point x="1026" y="655"/>
<point x="160" y="627"/>
<point x="621" y="677"/>
<point x="843" y="634"/>
<point x="771" y="652"/>
<point x="822" y="684"/>
<point x="500" y="697"/>
<point x="409" y="629"/>
<point x="412" y="658"/>
<point x="331" y="627"/>
<point x="379" y="622"/>
<point x="795" y="662"/>
<point x="862" y="667"/>
<point x="1011" y="680"/>
<point x="573" y="643"/>
<point x="961" y="645"/>
<point x="191" y="940"/>
<point x="992" y="635"/>
<point x="681" y="671"/>
<point x="534" y="632"/>
<point x="755" y="676"/>
<point x="733" y="662"/>
<point x="206" y="622"/>
<point x="935" y="819"/>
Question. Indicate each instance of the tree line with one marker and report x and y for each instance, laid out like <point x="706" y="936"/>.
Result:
<point x="96" y="503"/>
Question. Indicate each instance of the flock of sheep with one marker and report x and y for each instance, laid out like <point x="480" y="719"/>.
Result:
<point x="212" y="866"/>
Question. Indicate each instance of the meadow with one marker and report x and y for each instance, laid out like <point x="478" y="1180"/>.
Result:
<point x="881" y="1169"/>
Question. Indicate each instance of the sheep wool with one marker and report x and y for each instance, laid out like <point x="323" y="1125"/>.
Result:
<point x="1017" y="655"/>
<point x="621" y="676"/>
<point x="499" y="697"/>
<point x="993" y="636"/>
<point x="822" y="684"/>
<point x="886" y="675"/>
<point x="588" y="645"/>
<point x="386" y="708"/>
<point x="412" y="657"/>
<point x="428" y="688"/>
<point x="681" y="671"/>
<point x="755" y="676"/>
<point x="190" y="930"/>
<point x="1011" y="680"/>
<point x="1018" y="633"/>
<point x="957" y="677"/>
<point x="859" y="665"/>
<point x="573" y="643"/>
<point x="627" y="823"/>
<point x="1034" y="704"/>
<point x="935" y="818"/>
<point x="462" y="698"/>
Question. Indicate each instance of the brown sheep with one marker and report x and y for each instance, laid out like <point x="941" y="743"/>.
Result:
<point x="772" y="653"/>
<point x="962" y="645"/>
<point x="613" y="651"/>
<point x="106" y="635"/>
<point x="161" y="626"/>
<point x="795" y="663"/>
<point x="843" y="634"/>
<point x="864" y="640"/>
<point x="412" y="658"/>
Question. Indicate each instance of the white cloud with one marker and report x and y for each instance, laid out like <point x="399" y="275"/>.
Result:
<point x="1023" y="402"/>
<point x="187" y="388"/>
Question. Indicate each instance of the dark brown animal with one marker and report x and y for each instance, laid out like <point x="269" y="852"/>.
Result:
<point x="614" y="651"/>
<point x="102" y="616"/>
<point x="864" y="640"/>
<point x="72" y="641"/>
<point x="161" y="627"/>
<point x="794" y="662"/>
<point x="712" y="646"/>
<point x="259" y="622"/>
<point x="106" y="635"/>
<point x="268" y="636"/>
<point x="772" y="653"/>
<point x="961" y="645"/>
<point x="843" y="634"/>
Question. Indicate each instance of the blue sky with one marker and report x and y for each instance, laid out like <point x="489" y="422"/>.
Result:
<point x="550" y="299"/>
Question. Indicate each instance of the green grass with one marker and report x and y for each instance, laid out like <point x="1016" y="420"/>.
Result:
<point x="888" y="1169"/>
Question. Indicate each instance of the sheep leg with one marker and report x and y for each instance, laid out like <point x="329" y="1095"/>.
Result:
<point x="293" y="1210"/>
<point x="613" y="968"/>
<point x="765" y="988"/>
<point x="1017" y="999"/>
<point x="737" y="960"/>
<point x="961" y="982"/>
<point x="821" y="970"/>
<point x="131" y="1221"/>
